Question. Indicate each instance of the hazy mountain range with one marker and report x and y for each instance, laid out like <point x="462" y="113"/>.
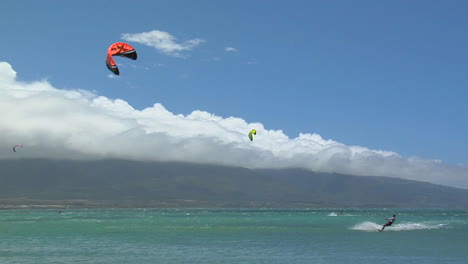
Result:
<point x="123" y="183"/>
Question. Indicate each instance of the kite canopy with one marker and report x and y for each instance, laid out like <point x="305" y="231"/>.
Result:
<point x="251" y="133"/>
<point x="15" y="146"/>
<point x="119" y="49"/>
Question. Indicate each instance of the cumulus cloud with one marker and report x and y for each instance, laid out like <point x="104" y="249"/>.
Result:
<point x="80" y="124"/>
<point x="163" y="42"/>
<point x="230" y="49"/>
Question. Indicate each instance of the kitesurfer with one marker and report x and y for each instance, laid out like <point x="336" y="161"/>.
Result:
<point x="389" y="223"/>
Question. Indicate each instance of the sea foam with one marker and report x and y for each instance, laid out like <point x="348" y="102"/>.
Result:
<point x="373" y="227"/>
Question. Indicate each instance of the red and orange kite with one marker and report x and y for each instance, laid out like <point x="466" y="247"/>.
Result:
<point x="119" y="49"/>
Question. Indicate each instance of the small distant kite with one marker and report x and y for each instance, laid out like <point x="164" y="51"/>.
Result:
<point x="251" y="133"/>
<point x="119" y="49"/>
<point x="15" y="146"/>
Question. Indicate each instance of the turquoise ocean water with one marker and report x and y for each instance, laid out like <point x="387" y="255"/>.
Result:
<point x="115" y="236"/>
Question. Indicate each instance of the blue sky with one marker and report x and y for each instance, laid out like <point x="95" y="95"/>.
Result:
<point x="382" y="75"/>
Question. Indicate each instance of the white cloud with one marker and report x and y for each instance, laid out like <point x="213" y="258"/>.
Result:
<point x="56" y="123"/>
<point x="230" y="49"/>
<point x="163" y="42"/>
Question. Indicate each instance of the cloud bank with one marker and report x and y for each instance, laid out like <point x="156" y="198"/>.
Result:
<point x="163" y="42"/>
<point x="79" y="124"/>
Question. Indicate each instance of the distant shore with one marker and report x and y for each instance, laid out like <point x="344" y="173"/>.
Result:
<point x="90" y="204"/>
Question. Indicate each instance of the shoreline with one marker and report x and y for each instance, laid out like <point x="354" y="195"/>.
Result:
<point x="33" y="204"/>
<point x="92" y="204"/>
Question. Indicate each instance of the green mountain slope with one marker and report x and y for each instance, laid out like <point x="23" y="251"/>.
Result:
<point x="141" y="184"/>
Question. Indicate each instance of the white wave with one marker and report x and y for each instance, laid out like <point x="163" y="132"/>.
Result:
<point x="366" y="226"/>
<point x="337" y="214"/>
<point x="373" y="227"/>
<point x="414" y="226"/>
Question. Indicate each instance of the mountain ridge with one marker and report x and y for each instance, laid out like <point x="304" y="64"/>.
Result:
<point x="125" y="183"/>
